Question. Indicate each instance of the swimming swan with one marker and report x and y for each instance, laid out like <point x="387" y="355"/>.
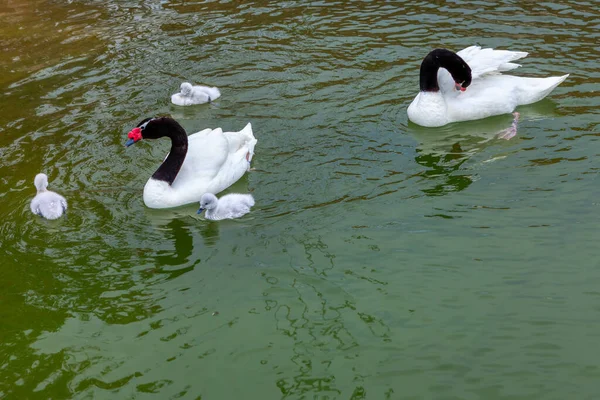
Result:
<point x="208" y="161"/>
<point x="445" y="77"/>
<point x="46" y="203"/>
<point x="190" y="95"/>
<point x="232" y="205"/>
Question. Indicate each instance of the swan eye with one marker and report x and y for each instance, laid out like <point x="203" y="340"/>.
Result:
<point x="143" y="126"/>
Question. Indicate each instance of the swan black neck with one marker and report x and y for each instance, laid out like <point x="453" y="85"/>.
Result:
<point x="161" y="127"/>
<point x="442" y="58"/>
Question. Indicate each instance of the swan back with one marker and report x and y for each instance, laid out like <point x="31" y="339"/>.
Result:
<point x="46" y="203"/>
<point x="242" y="142"/>
<point x="240" y="152"/>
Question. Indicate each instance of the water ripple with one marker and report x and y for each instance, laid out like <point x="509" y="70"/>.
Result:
<point x="373" y="241"/>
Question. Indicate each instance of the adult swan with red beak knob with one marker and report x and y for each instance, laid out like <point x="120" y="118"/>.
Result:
<point x="469" y="85"/>
<point x="208" y="161"/>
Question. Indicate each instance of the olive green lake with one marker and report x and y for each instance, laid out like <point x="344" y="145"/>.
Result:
<point x="382" y="260"/>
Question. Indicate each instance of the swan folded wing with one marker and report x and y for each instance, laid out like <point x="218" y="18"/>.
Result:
<point x="201" y="135"/>
<point x="214" y="161"/>
<point x="495" y="95"/>
<point x="49" y="205"/>
<point x="207" y="154"/>
<point x="236" y="200"/>
<point x="241" y="148"/>
<point x="241" y="139"/>
<point x="236" y="204"/>
<point x="490" y="61"/>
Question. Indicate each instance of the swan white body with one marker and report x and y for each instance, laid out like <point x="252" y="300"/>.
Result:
<point x="214" y="161"/>
<point x="190" y="95"/>
<point x="46" y="203"/>
<point x="230" y="206"/>
<point x="490" y="92"/>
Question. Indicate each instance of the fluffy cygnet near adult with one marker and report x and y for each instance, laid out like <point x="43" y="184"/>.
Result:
<point x="191" y="95"/>
<point x="46" y="203"/>
<point x="232" y="205"/>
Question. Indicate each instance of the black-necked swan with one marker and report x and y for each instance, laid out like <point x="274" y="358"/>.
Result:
<point x="208" y="161"/>
<point x="46" y="203"/>
<point x="445" y="77"/>
<point x="232" y="205"/>
<point x="190" y="95"/>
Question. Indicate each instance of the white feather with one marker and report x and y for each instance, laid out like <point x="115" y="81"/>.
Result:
<point x="46" y="203"/>
<point x="232" y="205"/>
<point x="214" y="161"/>
<point x="190" y="95"/>
<point x="490" y="93"/>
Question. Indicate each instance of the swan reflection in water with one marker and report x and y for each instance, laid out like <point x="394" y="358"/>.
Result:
<point x="179" y="250"/>
<point x="443" y="151"/>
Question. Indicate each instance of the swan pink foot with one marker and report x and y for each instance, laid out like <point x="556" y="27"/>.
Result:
<point x="511" y="132"/>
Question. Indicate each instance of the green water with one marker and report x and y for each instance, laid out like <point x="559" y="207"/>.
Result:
<point x="382" y="260"/>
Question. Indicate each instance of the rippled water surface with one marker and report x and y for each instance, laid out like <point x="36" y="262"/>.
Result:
<point x="382" y="260"/>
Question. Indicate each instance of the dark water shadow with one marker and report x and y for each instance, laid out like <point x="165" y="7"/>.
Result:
<point x="182" y="222"/>
<point x="183" y="243"/>
<point x="210" y="232"/>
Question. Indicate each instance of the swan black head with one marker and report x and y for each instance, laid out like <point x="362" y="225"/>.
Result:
<point x="154" y="128"/>
<point x="443" y="58"/>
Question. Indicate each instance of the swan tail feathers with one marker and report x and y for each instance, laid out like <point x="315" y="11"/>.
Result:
<point x="248" y="135"/>
<point x="247" y="131"/>
<point x="250" y="142"/>
<point x="242" y="142"/>
<point x="214" y="93"/>
<point x="535" y="89"/>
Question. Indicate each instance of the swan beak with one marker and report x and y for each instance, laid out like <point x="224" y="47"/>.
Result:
<point x="200" y="210"/>
<point x="135" y="135"/>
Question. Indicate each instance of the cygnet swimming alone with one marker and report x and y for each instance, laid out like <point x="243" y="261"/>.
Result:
<point x="232" y="205"/>
<point x="46" y="203"/>
<point x="191" y="95"/>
